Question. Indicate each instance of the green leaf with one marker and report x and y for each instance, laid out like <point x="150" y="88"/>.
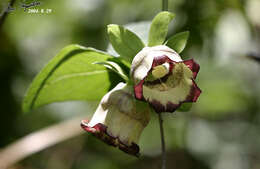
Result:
<point x="185" y="107"/>
<point x="115" y="68"/>
<point x="159" y="28"/>
<point x="126" y="43"/>
<point x="70" y="75"/>
<point x="178" y="41"/>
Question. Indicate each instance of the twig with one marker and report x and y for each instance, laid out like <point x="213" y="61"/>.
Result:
<point x="162" y="141"/>
<point x="5" y="13"/>
<point x="38" y="141"/>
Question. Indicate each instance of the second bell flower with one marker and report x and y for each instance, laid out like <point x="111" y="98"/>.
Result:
<point x="119" y="119"/>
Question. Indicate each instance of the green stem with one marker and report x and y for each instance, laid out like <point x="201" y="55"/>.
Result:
<point x="164" y="5"/>
<point x="5" y="13"/>
<point x="162" y="141"/>
<point x="164" y="8"/>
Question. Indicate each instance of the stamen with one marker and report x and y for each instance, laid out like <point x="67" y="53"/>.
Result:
<point x="161" y="70"/>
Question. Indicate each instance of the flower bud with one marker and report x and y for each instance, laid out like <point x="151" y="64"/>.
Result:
<point x="163" y="79"/>
<point x="119" y="119"/>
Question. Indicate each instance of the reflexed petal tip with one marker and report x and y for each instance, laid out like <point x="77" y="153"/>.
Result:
<point x="194" y="67"/>
<point x="194" y="93"/>
<point x="100" y="131"/>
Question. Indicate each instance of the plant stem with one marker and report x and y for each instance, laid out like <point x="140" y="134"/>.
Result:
<point x="5" y="13"/>
<point x="164" y="8"/>
<point x="164" y="5"/>
<point x="162" y="141"/>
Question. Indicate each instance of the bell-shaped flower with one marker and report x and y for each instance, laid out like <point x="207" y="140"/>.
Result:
<point x="119" y="119"/>
<point x="163" y="79"/>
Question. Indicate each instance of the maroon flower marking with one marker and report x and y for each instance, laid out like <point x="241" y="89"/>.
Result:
<point x="194" y="67"/>
<point x="158" y="107"/>
<point x="138" y="89"/>
<point x="194" y="93"/>
<point x="100" y="131"/>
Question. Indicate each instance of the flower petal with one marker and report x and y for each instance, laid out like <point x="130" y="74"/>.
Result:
<point x="194" y="93"/>
<point x="170" y="106"/>
<point x="143" y="61"/>
<point x="194" y="67"/>
<point x="138" y="89"/>
<point x="167" y="94"/>
<point x="159" y="107"/>
<point x="100" y="131"/>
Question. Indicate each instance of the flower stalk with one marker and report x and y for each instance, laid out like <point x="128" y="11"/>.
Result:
<point x="162" y="141"/>
<point x="164" y="5"/>
<point x="3" y="15"/>
<point x="164" y="8"/>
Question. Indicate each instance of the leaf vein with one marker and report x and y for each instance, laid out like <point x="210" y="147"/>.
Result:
<point x="77" y="74"/>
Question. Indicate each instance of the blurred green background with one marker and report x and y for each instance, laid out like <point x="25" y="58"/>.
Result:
<point x="221" y="131"/>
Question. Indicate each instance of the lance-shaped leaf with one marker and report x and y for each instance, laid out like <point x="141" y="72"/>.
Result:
<point x="70" y="75"/>
<point x="178" y="41"/>
<point x="115" y="68"/>
<point x="126" y="43"/>
<point x="159" y="28"/>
